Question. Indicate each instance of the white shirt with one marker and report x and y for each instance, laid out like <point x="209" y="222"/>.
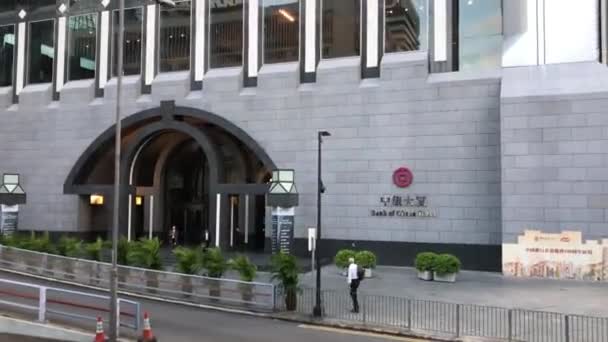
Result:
<point x="352" y="272"/>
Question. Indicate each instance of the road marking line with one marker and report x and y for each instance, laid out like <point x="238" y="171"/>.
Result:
<point x="358" y="333"/>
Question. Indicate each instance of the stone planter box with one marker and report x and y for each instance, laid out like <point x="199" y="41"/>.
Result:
<point x="425" y="275"/>
<point x="445" y="278"/>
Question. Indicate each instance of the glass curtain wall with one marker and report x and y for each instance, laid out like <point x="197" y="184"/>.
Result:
<point x="281" y="30"/>
<point x="225" y="33"/>
<point x="175" y="37"/>
<point x="81" y="47"/>
<point x="7" y="36"/>
<point x="406" y="25"/>
<point x="41" y="51"/>
<point x="341" y="33"/>
<point x="480" y="27"/>
<point x="132" y="42"/>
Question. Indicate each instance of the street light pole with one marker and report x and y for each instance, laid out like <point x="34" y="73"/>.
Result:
<point x="318" y="309"/>
<point x="114" y="309"/>
<point x="114" y="314"/>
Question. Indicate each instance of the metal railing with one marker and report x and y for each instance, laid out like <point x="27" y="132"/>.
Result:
<point x="56" y="303"/>
<point x="169" y="285"/>
<point x="451" y="320"/>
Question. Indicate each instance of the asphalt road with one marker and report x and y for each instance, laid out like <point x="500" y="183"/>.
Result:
<point x="177" y="323"/>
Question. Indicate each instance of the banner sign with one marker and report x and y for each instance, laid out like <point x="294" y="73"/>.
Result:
<point x="9" y="217"/>
<point x="282" y="230"/>
<point x="562" y="256"/>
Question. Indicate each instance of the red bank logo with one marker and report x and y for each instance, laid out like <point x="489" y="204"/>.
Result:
<point x="403" y="177"/>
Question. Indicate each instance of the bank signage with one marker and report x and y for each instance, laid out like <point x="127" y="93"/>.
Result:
<point x="403" y="177"/>
<point x="9" y="216"/>
<point x="562" y="255"/>
<point x="282" y="230"/>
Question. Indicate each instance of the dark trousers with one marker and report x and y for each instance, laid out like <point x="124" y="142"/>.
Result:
<point x="354" y="285"/>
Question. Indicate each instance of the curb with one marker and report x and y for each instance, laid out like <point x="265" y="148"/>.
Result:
<point x="312" y="321"/>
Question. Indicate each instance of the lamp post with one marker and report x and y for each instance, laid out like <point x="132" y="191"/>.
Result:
<point x="318" y="310"/>
<point x="114" y="314"/>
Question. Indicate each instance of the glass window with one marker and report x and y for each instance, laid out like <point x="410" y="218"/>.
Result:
<point x="28" y="5"/>
<point x="406" y="25"/>
<point x="7" y="34"/>
<point x="41" y="51"/>
<point x="281" y="30"/>
<point x="175" y="37"/>
<point x="341" y="28"/>
<point x="226" y="34"/>
<point x="82" y="38"/>
<point x="132" y="42"/>
<point x="480" y="41"/>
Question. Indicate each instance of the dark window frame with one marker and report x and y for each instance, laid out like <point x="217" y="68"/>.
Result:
<point x="28" y="52"/>
<point x="158" y="39"/>
<point x="112" y="51"/>
<point x="262" y="46"/>
<point x="69" y="45"/>
<point x="208" y="40"/>
<point x="320" y="28"/>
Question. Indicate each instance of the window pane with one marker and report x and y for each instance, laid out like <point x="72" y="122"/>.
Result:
<point x="175" y="37"/>
<point x="406" y="25"/>
<point x="226" y="34"/>
<point x="480" y="27"/>
<point x="341" y="28"/>
<point x="82" y="47"/>
<point x="132" y="42"/>
<point x="41" y="51"/>
<point x="281" y="30"/>
<point x="7" y="34"/>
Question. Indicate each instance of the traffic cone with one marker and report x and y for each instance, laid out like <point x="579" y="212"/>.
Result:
<point x="100" y="336"/>
<point x="147" y="335"/>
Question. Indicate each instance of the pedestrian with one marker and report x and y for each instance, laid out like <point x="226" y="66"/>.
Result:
<point x="173" y="236"/>
<point x="354" y="280"/>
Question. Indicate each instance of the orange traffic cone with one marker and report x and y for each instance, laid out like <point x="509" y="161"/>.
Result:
<point x="100" y="336"/>
<point x="147" y="335"/>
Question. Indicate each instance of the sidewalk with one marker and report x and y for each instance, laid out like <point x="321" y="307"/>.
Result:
<point x="480" y="288"/>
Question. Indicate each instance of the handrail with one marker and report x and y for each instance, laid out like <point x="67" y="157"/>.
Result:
<point x="42" y="306"/>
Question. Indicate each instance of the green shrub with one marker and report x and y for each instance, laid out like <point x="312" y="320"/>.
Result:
<point x="40" y="244"/>
<point x="214" y="263"/>
<point x="123" y="248"/>
<point x="365" y="259"/>
<point x="247" y="270"/>
<point x="425" y="261"/>
<point x="145" y="253"/>
<point x="69" y="247"/>
<point x="341" y="258"/>
<point x="189" y="260"/>
<point x="93" y="250"/>
<point x="446" y="264"/>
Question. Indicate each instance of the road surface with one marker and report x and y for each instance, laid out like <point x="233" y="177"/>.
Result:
<point x="177" y="323"/>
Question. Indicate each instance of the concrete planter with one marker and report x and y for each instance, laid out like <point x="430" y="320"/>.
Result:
<point x="445" y="278"/>
<point x="425" y="275"/>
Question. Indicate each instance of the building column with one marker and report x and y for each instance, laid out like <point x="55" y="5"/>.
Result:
<point x="149" y="63"/>
<point x="310" y="13"/>
<point x="61" y="37"/>
<point x="443" y="37"/>
<point x="19" y="75"/>
<point x="372" y="47"/>
<point x="198" y="51"/>
<point x="604" y="31"/>
<point x="102" y="74"/>
<point x="252" y="36"/>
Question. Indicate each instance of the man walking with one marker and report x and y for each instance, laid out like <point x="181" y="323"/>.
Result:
<point x="173" y="236"/>
<point x="353" y="281"/>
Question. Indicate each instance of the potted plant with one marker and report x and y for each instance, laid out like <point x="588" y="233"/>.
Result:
<point x="247" y="271"/>
<point x="341" y="259"/>
<point x="445" y="268"/>
<point x="216" y="265"/>
<point x="124" y="245"/>
<point x="146" y="254"/>
<point x="284" y="268"/>
<point x="424" y="265"/>
<point x="189" y="261"/>
<point x="367" y="260"/>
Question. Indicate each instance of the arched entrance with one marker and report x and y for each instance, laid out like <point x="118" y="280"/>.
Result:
<point x="179" y="166"/>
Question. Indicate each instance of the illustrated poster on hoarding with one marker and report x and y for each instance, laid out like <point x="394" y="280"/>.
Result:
<point x="9" y="217"/>
<point x="562" y="256"/>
